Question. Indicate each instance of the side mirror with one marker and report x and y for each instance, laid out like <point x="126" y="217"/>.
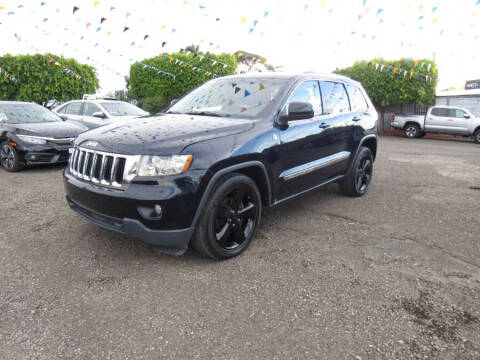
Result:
<point x="173" y="102"/>
<point x="64" y="117"/>
<point x="296" y="111"/>
<point x="99" y="114"/>
<point x="3" y="117"/>
<point x="466" y="116"/>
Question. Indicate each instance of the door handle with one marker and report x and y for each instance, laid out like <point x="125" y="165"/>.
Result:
<point x="323" y="125"/>
<point x="356" y="118"/>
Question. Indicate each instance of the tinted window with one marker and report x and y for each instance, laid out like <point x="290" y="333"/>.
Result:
<point x="440" y="112"/>
<point x="89" y="109"/>
<point x="334" y="97"/>
<point x="357" y="100"/>
<point x="307" y="92"/>
<point x="73" y="108"/>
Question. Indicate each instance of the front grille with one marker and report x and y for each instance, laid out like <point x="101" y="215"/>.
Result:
<point x="100" y="168"/>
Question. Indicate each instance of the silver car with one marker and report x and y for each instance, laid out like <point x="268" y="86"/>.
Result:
<point x="94" y="113"/>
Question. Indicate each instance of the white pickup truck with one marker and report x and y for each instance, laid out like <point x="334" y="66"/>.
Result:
<point x="439" y="119"/>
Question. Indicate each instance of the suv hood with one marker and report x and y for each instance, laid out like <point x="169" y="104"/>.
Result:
<point x="160" y="135"/>
<point x="56" y="130"/>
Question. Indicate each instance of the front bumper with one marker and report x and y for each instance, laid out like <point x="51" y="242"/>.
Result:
<point x="43" y="157"/>
<point x="124" y="211"/>
<point x="169" y="241"/>
<point x="49" y="153"/>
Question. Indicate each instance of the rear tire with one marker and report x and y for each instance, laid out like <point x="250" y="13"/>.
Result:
<point x="476" y="136"/>
<point x="356" y="183"/>
<point x="412" y="131"/>
<point x="230" y="218"/>
<point x="10" y="157"/>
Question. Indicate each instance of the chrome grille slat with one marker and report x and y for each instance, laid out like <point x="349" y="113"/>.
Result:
<point x="94" y="165"/>
<point x="101" y="168"/>
<point x="113" y="172"/>
<point x="85" y="165"/>
<point x="102" y="171"/>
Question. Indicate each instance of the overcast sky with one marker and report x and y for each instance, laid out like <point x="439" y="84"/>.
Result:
<point x="318" y="35"/>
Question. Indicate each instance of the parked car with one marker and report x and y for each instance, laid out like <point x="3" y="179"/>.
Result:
<point x="203" y="170"/>
<point x="31" y="134"/>
<point x="439" y="119"/>
<point x="93" y="113"/>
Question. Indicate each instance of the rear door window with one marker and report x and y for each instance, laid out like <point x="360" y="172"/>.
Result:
<point x="73" y="108"/>
<point x="357" y="100"/>
<point x="334" y="96"/>
<point x="89" y="109"/>
<point x="440" y="112"/>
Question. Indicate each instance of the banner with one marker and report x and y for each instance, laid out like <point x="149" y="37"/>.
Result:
<point x="8" y="76"/>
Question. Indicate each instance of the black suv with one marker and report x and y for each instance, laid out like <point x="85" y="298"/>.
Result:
<point x="202" y="171"/>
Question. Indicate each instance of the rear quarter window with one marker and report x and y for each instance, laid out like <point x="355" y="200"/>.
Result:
<point x="357" y="100"/>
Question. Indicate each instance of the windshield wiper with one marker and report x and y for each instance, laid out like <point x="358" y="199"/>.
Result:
<point x="204" y="113"/>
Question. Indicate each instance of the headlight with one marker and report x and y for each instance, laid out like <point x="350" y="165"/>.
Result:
<point x="163" y="165"/>
<point x="32" y="139"/>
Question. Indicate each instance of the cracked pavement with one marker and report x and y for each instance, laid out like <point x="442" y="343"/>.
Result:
<point x="392" y="275"/>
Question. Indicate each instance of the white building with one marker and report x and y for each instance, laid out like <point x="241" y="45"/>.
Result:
<point x="468" y="99"/>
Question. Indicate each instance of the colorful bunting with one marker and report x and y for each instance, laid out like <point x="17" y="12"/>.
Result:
<point x="158" y="71"/>
<point x="75" y="9"/>
<point x="8" y="75"/>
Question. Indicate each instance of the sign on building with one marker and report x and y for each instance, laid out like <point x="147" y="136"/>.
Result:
<point x="472" y="84"/>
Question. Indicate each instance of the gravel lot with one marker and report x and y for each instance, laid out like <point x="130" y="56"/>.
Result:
<point x="392" y="275"/>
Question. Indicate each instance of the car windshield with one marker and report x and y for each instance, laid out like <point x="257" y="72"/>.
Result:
<point x="25" y="113"/>
<point x="122" y="109"/>
<point x="239" y="98"/>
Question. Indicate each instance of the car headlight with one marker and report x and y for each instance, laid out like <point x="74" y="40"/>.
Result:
<point x="32" y="139"/>
<point x="163" y="165"/>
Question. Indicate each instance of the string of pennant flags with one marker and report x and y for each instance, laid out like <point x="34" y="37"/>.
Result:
<point x="404" y="72"/>
<point x="158" y="71"/>
<point x="8" y="75"/>
<point x="202" y="56"/>
<point x="72" y="73"/>
<point x="186" y="64"/>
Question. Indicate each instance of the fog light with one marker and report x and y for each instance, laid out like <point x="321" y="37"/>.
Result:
<point x="158" y="210"/>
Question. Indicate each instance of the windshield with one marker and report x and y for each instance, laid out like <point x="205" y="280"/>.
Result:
<point x="24" y="113"/>
<point x="122" y="109"/>
<point x="238" y="98"/>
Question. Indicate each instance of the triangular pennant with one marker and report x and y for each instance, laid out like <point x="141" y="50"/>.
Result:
<point x="237" y="89"/>
<point x="246" y="93"/>
<point x="261" y="86"/>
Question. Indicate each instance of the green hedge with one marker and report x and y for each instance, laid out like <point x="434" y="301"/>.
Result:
<point x="39" y="80"/>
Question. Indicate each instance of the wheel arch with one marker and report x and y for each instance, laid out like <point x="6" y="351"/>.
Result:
<point x="255" y="169"/>
<point x="370" y="141"/>
<point x="410" y="122"/>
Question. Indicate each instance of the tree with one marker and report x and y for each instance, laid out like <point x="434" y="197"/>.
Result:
<point x="248" y="62"/>
<point x="40" y="80"/>
<point x="403" y="81"/>
<point x="182" y="72"/>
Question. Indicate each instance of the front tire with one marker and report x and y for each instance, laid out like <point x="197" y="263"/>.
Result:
<point x="412" y="131"/>
<point x="356" y="183"/>
<point x="230" y="218"/>
<point x="476" y="136"/>
<point x="10" y="157"/>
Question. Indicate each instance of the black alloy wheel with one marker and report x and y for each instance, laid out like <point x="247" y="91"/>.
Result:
<point x="363" y="174"/>
<point x="235" y="217"/>
<point x="9" y="157"/>
<point x="357" y="181"/>
<point x="230" y="218"/>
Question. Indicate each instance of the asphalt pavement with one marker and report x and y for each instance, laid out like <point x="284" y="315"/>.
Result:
<point x="392" y="275"/>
